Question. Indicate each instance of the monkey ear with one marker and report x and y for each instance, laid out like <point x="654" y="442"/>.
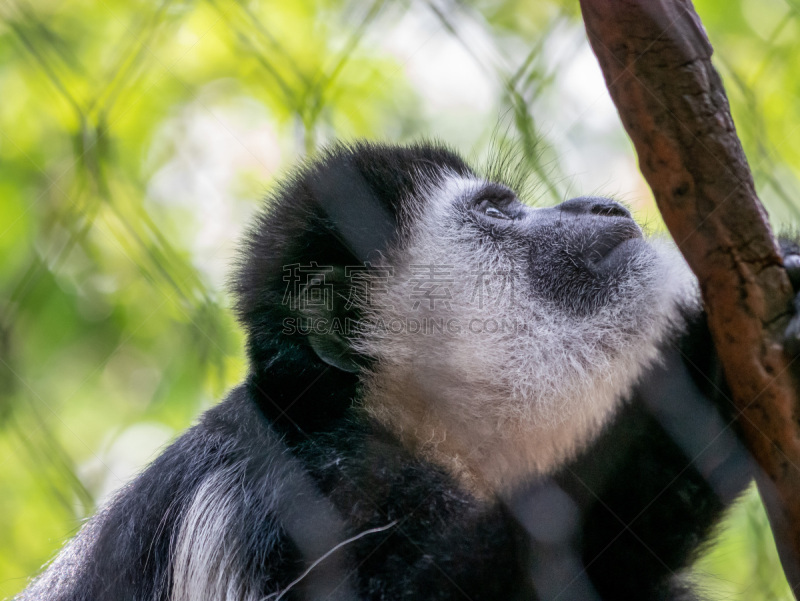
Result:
<point x="325" y="304"/>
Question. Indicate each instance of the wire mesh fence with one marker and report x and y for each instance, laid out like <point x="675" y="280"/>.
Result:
<point x="137" y="138"/>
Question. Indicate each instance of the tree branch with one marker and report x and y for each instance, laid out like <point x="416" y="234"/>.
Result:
<point x="656" y="60"/>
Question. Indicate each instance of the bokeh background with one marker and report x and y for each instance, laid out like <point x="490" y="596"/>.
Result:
<point x="136" y="137"/>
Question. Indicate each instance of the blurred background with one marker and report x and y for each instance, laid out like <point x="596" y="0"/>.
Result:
<point x="137" y="137"/>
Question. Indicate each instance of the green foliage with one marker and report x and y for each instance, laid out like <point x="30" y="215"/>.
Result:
<point x="136" y="137"/>
<point x="743" y="564"/>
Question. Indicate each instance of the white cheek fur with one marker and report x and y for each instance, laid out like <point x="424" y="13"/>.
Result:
<point x="499" y="405"/>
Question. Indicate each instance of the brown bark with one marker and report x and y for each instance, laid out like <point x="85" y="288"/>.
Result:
<point x="656" y="60"/>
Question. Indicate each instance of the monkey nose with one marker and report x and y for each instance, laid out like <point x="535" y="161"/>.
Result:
<point x="594" y="205"/>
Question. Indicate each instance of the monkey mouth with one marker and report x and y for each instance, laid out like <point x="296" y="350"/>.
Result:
<point x="614" y="246"/>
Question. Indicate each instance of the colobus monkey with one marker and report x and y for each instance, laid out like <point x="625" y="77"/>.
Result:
<point x="451" y="395"/>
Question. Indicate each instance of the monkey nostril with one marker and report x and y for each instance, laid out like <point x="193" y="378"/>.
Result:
<point x="594" y="205"/>
<point x="610" y="209"/>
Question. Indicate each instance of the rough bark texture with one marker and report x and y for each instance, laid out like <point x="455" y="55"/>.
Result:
<point x="656" y="60"/>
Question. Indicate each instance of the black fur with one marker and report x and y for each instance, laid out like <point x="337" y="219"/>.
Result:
<point x="651" y="488"/>
<point x="296" y="391"/>
<point x="311" y="471"/>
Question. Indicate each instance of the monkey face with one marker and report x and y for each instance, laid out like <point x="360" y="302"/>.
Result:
<point x="471" y="248"/>
<point x="493" y="336"/>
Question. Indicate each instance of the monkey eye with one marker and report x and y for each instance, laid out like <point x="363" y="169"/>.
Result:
<point x="495" y="213"/>
<point x="496" y="202"/>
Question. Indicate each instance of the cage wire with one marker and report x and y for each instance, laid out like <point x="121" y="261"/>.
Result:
<point x="136" y="139"/>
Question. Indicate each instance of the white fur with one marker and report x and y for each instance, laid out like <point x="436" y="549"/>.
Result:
<point x="207" y="556"/>
<point x="497" y="408"/>
<point x="204" y="562"/>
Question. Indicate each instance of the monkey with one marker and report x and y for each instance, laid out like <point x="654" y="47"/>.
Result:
<point x="451" y="394"/>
